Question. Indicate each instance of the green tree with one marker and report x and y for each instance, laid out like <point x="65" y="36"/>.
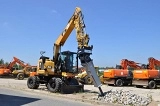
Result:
<point x="20" y="67"/>
<point x="15" y="65"/>
<point x="6" y="63"/>
<point x="1" y="61"/>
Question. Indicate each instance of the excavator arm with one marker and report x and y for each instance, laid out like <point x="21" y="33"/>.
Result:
<point x="125" y="63"/>
<point x="16" y="60"/>
<point x="153" y="63"/>
<point x="84" y="50"/>
<point x="76" y="22"/>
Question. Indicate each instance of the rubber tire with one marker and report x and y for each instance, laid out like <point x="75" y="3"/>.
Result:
<point x="20" y="76"/>
<point x="139" y="86"/>
<point x="88" y="80"/>
<point x="33" y="82"/>
<point x="54" y="85"/>
<point x="119" y="82"/>
<point x="152" y="84"/>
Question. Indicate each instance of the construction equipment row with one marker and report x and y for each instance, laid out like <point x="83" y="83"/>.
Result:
<point x="130" y="73"/>
<point x="11" y="71"/>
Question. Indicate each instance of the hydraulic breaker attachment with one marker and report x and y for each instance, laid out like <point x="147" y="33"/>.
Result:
<point x="84" y="56"/>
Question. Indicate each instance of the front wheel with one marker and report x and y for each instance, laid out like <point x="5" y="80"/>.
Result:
<point x="33" y="82"/>
<point x="119" y="82"/>
<point x="20" y="76"/>
<point x="152" y="84"/>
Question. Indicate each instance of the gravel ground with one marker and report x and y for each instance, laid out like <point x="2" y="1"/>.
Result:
<point x="91" y="94"/>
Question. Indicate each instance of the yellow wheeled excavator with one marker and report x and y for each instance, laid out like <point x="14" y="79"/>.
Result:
<point x="58" y="74"/>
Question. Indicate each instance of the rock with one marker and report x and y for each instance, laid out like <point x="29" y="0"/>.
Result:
<point x="125" y="98"/>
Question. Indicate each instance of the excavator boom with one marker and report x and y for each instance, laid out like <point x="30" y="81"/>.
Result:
<point x="16" y="60"/>
<point x="153" y="63"/>
<point x="77" y="22"/>
<point x="125" y="63"/>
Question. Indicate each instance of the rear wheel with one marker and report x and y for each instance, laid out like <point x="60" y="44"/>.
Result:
<point x="33" y="82"/>
<point x="119" y="82"/>
<point x="152" y="84"/>
<point x="54" y="85"/>
<point x="20" y="76"/>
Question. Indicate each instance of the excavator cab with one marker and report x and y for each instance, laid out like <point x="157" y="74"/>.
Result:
<point x="118" y="66"/>
<point x="68" y="59"/>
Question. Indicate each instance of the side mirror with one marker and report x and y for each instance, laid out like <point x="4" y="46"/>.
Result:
<point x="42" y="52"/>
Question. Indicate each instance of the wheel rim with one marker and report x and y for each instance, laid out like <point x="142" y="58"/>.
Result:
<point x="21" y="76"/>
<point x="119" y="83"/>
<point x="89" y="80"/>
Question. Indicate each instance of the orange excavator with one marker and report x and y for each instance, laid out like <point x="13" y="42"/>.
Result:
<point x="122" y="75"/>
<point x="4" y="70"/>
<point x="21" y="74"/>
<point x="149" y="76"/>
<point x="16" y="60"/>
<point x="7" y="70"/>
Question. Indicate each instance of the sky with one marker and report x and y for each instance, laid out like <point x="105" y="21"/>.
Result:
<point x="118" y="29"/>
